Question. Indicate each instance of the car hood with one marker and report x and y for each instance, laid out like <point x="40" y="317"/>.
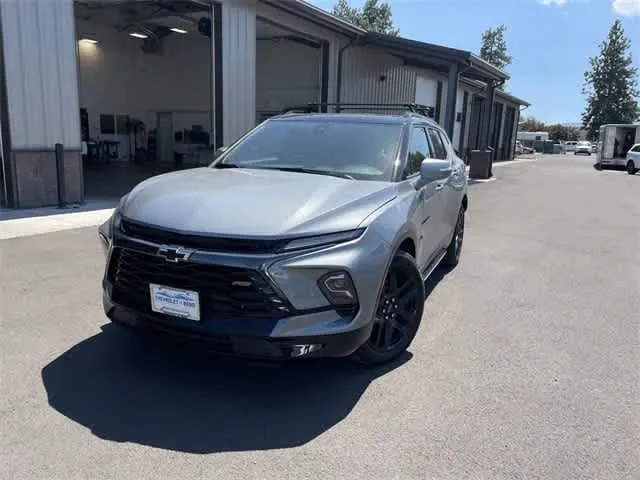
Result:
<point x="254" y="203"/>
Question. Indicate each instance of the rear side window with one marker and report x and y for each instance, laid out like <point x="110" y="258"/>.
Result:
<point x="418" y="151"/>
<point x="439" y="150"/>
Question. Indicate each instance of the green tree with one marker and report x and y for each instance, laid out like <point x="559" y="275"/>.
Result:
<point x="375" y="16"/>
<point x="611" y="84"/>
<point x="494" y="47"/>
<point x="531" y="124"/>
<point x="562" y="133"/>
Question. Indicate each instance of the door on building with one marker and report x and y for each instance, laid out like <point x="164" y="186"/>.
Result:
<point x="474" y="124"/>
<point x="506" y="151"/>
<point x="165" y="137"/>
<point x="496" y="124"/>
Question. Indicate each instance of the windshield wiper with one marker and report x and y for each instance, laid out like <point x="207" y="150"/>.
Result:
<point x="227" y="165"/>
<point x="311" y="171"/>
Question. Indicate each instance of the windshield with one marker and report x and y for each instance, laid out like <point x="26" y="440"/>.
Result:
<point x="584" y="144"/>
<point x="354" y="150"/>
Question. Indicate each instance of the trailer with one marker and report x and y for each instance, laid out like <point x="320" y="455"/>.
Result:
<point x="614" y="144"/>
<point x="533" y="136"/>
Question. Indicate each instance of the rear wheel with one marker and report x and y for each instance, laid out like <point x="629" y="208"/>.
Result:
<point x="452" y="257"/>
<point x="631" y="168"/>
<point x="398" y="313"/>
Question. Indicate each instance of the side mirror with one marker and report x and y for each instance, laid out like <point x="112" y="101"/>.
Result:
<point x="432" y="170"/>
<point x="220" y="151"/>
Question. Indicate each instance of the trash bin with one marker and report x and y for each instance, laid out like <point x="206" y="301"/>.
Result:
<point x="547" y="147"/>
<point x="480" y="164"/>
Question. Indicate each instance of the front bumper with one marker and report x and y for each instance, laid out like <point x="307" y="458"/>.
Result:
<point x="313" y="328"/>
<point x="249" y="339"/>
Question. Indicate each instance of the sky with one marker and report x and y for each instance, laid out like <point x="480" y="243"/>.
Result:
<point x="550" y="41"/>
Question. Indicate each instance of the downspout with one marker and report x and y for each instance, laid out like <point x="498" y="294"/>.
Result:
<point x="339" y="85"/>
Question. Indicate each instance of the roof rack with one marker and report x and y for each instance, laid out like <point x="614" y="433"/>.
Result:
<point x="409" y="108"/>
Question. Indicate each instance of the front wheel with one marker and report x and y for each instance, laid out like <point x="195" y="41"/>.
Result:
<point x="398" y="313"/>
<point x="631" y="168"/>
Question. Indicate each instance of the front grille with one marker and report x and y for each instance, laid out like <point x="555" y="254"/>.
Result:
<point x="203" y="242"/>
<point x="224" y="291"/>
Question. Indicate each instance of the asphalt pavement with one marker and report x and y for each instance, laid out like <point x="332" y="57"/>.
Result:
<point x="526" y="366"/>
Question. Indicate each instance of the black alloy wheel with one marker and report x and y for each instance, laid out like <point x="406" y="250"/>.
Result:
<point x="398" y="313"/>
<point x="631" y="168"/>
<point x="452" y="258"/>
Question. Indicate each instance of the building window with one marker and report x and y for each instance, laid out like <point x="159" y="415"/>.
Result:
<point x="107" y="124"/>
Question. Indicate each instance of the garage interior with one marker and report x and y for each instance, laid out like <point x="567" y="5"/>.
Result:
<point x="147" y="86"/>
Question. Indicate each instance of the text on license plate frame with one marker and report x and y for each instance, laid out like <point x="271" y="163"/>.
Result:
<point x="175" y="302"/>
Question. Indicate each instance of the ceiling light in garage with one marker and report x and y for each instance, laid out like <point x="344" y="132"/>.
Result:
<point x="89" y="41"/>
<point x="139" y="35"/>
<point x="178" y="30"/>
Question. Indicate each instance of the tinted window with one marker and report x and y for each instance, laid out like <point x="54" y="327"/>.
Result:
<point x="439" y="150"/>
<point x="636" y="149"/>
<point x="363" y="151"/>
<point x="418" y="151"/>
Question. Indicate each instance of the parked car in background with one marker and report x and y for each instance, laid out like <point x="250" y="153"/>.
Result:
<point x="633" y="159"/>
<point x="311" y="236"/>
<point x="594" y="147"/>
<point x="570" y="146"/>
<point x="583" y="148"/>
<point x="521" y="149"/>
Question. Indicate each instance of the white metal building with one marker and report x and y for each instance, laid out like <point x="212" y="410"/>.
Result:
<point x="121" y="83"/>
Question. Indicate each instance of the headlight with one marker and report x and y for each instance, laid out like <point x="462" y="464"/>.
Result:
<point x="323" y="240"/>
<point x="105" y="231"/>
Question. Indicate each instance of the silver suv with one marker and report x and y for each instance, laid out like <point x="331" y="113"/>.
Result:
<point x="311" y="236"/>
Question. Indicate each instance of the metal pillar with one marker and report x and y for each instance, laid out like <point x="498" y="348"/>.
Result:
<point x="486" y="116"/>
<point x="452" y="97"/>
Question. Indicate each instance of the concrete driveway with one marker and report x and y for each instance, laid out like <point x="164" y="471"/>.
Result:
<point x="526" y="366"/>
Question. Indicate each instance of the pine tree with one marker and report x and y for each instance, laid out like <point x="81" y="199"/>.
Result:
<point x="494" y="47"/>
<point x="611" y="85"/>
<point x="374" y="16"/>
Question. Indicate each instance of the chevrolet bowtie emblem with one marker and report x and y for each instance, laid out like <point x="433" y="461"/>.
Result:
<point x="174" y="254"/>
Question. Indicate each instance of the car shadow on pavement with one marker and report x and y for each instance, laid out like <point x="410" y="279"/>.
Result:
<point x="128" y="387"/>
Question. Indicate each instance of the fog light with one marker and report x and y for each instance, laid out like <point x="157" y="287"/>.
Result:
<point x="338" y="288"/>
<point x="302" y="350"/>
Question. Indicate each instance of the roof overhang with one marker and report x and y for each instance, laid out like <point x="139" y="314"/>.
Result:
<point x="428" y="55"/>
<point x="479" y="87"/>
<point x="316" y="15"/>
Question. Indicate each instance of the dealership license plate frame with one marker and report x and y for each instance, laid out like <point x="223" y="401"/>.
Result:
<point x="175" y="302"/>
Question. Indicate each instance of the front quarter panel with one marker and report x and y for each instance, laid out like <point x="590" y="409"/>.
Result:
<point x="399" y="220"/>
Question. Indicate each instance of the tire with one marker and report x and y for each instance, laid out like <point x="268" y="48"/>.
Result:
<point x="454" y="250"/>
<point x="398" y="313"/>
<point x="631" y="168"/>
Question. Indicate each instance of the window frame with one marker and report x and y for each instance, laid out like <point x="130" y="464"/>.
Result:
<point x="412" y="129"/>
<point x="442" y="141"/>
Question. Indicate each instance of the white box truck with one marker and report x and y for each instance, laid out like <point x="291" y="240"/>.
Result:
<point x="615" y="142"/>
